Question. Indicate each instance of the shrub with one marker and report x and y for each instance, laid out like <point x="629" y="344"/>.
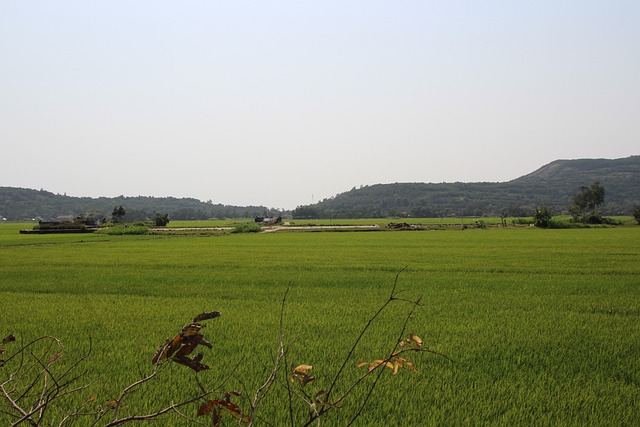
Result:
<point x="636" y="213"/>
<point x="542" y="217"/>
<point x="246" y="228"/>
<point x="161" y="220"/>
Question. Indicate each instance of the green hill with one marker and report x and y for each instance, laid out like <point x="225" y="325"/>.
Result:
<point x="553" y="185"/>
<point x="18" y="204"/>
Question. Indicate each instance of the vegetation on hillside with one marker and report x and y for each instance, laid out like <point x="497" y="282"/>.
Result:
<point x="553" y="185"/>
<point x="20" y="204"/>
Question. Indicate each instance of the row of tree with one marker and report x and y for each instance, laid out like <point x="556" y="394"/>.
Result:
<point x="119" y="214"/>
<point x="584" y="209"/>
<point x="21" y="204"/>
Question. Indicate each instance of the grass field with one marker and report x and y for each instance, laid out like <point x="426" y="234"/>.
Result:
<point x="543" y="325"/>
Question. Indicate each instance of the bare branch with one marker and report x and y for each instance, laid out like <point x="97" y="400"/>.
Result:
<point x="395" y="348"/>
<point x="263" y="390"/>
<point x="364" y="330"/>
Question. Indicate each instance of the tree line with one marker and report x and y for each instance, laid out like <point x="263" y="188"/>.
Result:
<point x="19" y="204"/>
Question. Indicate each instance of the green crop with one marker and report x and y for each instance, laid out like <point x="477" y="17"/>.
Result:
<point x="543" y="325"/>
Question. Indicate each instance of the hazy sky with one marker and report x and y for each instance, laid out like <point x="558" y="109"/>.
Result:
<point x="281" y="103"/>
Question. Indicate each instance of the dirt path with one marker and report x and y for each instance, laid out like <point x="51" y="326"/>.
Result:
<point x="318" y="227"/>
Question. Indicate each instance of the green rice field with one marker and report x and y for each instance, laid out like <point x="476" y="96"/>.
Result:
<point x="543" y="326"/>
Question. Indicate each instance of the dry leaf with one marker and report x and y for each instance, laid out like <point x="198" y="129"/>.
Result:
<point x="206" y="316"/>
<point x="206" y="407"/>
<point x="212" y="406"/>
<point x="53" y="359"/>
<point x="302" y="369"/>
<point x="301" y="375"/>
<point x="416" y="339"/>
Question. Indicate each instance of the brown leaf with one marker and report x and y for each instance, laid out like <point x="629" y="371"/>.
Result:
<point x="9" y="338"/>
<point x="204" y="342"/>
<point x="300" y="374"/>
<point x="406" y="364"/>
<point x="216" y="417"/>
<point x="161" y="353"/>
<point x="416" y="339"/>
<point x="174" y="345"/>
<point x="376" y="363"/>
<point x="235" y="411"/>
<point x="191" y="329"/>
<point x="111" y="404"/>
<point x="207" y="407"/>
<point x="186" y="349"/>
<point x="228" y="394"/>
<point x="307" y="379"/>
<point x="206" y="316"/>
<point x="211" y="406"/>
<point x="53" y="359"/>
<point x="302" y="369"/>
<point x="193" y="364"/>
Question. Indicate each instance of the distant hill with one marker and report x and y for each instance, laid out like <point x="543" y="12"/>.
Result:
<point x="18" y="204"/>
<point x="553" y="185"/>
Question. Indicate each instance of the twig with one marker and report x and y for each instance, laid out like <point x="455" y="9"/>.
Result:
<point x="262" y="391"/>
<point x="391" y="298"/>
<point x="395" y="347"/>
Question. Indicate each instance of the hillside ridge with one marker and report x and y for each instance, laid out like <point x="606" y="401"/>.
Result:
<point x="553" y="184"/>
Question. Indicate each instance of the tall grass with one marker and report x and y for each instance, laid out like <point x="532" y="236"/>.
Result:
<point x="543" y="324"/>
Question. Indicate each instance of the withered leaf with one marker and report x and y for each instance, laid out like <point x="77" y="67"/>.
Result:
<point x="54" y="358"/>
<point x="376" y="363"/>
<point x="9" y="338"/>
<point x="300" y="374"/>
<point x="184" y="343"/>
<point x="235" y="411"/>
<point x="416" y="339"/>
<point x="186" y="349"/>
<point x="302" y="369"/>
<point x="216" y="417"/>
<point x="193" y="364"/>
<point x="111" y="404"/>
<point x="191" y="329"/>
<point x="206" y="407"/>
<point x="211" y="406"/>
<point x="173" y="345"/>
<point x="161" y="353"/>
<point x="206" y="316"/>
<point x="228" y="394"/>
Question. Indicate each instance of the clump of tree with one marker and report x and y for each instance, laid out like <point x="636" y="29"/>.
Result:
<point x="542" y="217"/>
<point x="118" y="214"/>
<point x="161" y="220"/>
<point x="586" y="203"/>
<point x="636" y="213"/>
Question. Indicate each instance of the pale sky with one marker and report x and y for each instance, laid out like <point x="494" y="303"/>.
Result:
<point x="281" y="103"/>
